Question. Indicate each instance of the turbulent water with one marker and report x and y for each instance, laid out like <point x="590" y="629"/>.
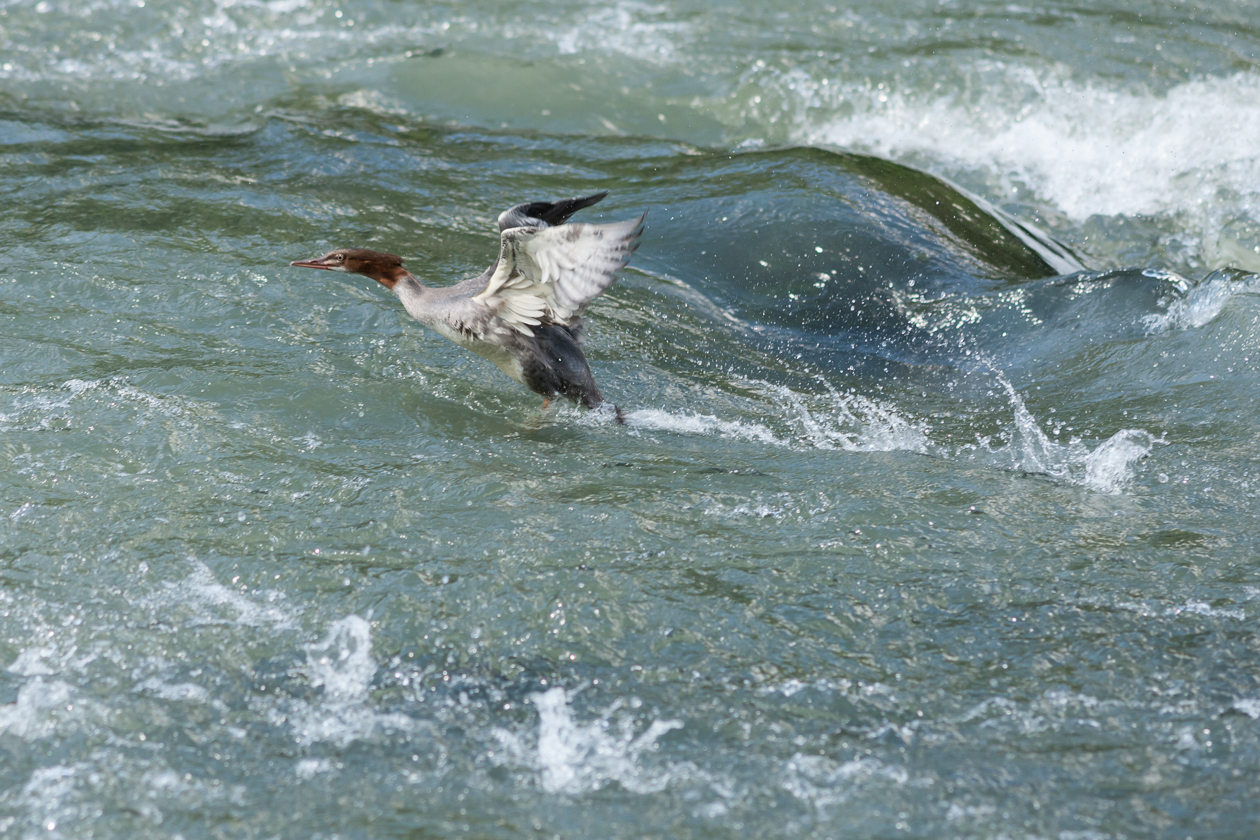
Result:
<point x="935" y="513"/>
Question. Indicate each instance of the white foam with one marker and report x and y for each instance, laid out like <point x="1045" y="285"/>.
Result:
<point x="213" y="34"/>
<point x="343" y="666"/>
<point x="1203" y="303"/>
<point x="576" y="758"/>
<point x="1205" y="609"/>
<point x="310" y="441"/>
<point x="988" y="709"/>
<point x="958" y="812"/>
<point x="182" y="692"/>
<point x="56" y="654"/>
<point x="1249" y="706"/>
<point x="201" y="590"/>
<point x="32" y="661"/>
<point x="833" y="420"/>
<point x="308" y="768"/>
<point x="43" y="405"/>
<point x="746" y="510"/>
<point x="45" y="797"/>
<point x="41" y="402"/>
<point x="1108" y="468"/>
<point x="633" y="29"/>
<point x="822" y="782"/>
<point x="853" y="422"/>
<point x="654" y="419"/>
<point x="1146" y="610"/>
<point x="841" y="686"/>
<point x="78" y="386"/>
<point x="34" y="714"/>
<point x="1088" y="148"/>
<point x="342" y="663"/>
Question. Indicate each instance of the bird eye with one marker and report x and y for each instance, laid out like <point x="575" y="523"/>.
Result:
<point x="341" y="258"/>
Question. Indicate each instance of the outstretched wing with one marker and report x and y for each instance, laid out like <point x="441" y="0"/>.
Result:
<point x="550" y="274"/>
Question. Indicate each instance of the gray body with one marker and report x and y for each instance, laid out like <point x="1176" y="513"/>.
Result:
<point x="523" y="313"/>
<point x="549" y="362"/>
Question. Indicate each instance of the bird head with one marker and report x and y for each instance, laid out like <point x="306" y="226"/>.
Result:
<point x="385" y="269"/>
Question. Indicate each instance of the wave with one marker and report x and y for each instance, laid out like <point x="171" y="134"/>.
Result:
<point x="851" y="422"/>
<point x="1203" y="302"/>
<point x="1086" y="148"/>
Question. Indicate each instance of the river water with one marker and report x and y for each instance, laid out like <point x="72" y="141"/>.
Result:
<point x="935" y="513"/>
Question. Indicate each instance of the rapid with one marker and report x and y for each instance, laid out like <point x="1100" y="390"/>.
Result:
<point x="935" y="510"/>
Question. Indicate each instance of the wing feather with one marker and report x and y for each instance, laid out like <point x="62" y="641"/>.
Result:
<point x="550" y="274"/>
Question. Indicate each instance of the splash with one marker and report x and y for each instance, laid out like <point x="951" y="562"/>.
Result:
<point x="1204" y="302"/>
<point x="576" y="758"/>
<point x="658" y="420"/>
<point x="1108" y="468"/>
<point x="36" y="711"/>
<point x="342" y="665"/>
<point x="853" y="422"/>
<point x="832" y="420"/>
<point x="822" y="782"/>
<point x="202" y="593"/>
<point x="44" y="406"/>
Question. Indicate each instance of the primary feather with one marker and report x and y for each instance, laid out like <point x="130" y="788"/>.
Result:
<point x="552" y="273"/>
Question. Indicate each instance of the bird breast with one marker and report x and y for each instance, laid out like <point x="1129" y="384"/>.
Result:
<point x="502" y="356"/>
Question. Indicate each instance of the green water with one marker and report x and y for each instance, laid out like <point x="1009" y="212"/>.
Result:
<point x="921" y="524"/>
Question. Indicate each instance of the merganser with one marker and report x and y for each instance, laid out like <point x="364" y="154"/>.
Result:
<point x="523" y="312"/>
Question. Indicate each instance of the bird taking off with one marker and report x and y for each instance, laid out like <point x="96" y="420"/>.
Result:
<point x="524" y="312"/>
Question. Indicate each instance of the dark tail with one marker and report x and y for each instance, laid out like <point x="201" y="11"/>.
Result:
<point x="591" y="398"/>
<point x="549" y="212"/>
<point x="601" y="404"/>
<point x="595" y="401"/>
<point x="557" y="213"/>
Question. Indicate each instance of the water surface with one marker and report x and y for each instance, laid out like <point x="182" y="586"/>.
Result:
<point x="934" y="516"/>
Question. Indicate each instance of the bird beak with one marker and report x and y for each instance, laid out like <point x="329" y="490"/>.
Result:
<point x="315" y="263"/>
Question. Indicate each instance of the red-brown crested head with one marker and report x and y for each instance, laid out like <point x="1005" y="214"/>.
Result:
<point x="385" y="269"/>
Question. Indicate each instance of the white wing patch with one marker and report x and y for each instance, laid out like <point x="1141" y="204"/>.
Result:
<point x="552" y="273"/>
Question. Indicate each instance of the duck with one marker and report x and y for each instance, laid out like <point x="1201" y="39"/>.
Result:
<point x="524" y="312"/>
